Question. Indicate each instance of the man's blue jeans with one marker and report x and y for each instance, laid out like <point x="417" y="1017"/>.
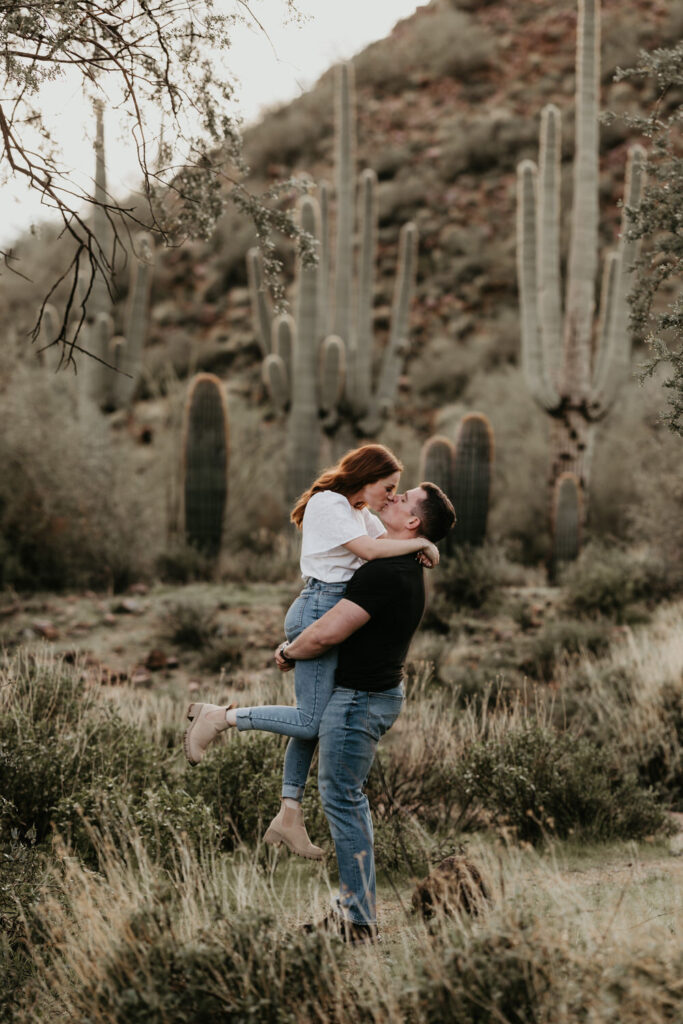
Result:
<point x="313" y="682"/>
<point x="352" y="725"/>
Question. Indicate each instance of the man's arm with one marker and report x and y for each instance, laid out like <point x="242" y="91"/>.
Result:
<point x="328" y="631"/>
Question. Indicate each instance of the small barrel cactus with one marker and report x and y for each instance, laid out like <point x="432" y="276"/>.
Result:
<point x="205" y="463"/>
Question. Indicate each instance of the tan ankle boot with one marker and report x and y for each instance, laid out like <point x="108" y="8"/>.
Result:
<point x="288" y="827"/>
<point x="207" y="721"/>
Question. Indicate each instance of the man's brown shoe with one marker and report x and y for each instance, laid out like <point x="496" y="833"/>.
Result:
<point x="207" y="721"/>
<point x="288" y="827"/>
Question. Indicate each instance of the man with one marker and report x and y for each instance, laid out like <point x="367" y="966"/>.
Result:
<point x="373" y="625"/>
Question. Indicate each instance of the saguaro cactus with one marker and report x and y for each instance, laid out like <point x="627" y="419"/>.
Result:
<point x="99" y="300"/>
<point x="463" y="470"/>
<point x="299" y="373"/>
<point x="205" y="463"/>
<point x="574" y="372"/>
<point x="346" y="353"/>
<point x="142" y="268"/>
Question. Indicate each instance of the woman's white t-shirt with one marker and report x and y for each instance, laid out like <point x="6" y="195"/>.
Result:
<point x="329" y="523"/>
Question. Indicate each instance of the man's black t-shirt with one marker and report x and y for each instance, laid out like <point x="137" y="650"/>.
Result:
<point x="392" y="591"/>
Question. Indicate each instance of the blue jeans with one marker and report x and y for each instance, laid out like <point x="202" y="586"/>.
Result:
<point x="313" y="683"/>
<point x="352" y="725"/>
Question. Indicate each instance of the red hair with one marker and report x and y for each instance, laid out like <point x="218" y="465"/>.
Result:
<point x="364" y="465"/>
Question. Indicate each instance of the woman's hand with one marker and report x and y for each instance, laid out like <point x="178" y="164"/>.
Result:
<point x="282" y="664"/>
<point x="428" y="556"/>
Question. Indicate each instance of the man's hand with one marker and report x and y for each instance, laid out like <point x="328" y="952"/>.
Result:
<point x="282" y="664"/>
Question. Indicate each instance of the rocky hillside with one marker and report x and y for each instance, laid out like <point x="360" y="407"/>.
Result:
<point x="447" y="106"/>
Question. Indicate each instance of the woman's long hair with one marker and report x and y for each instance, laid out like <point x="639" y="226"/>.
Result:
<point x="364" y="465"/>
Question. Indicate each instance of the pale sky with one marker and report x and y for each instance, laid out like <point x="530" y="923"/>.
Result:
<point x="270" y="71"/>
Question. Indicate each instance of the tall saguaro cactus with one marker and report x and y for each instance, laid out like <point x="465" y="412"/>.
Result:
<point x="463" y="470"/>
<point x="99" y="300"/>
<point x="301" y="374"/>
<point x="573" y="368"/>
<point x="206" y="452"/>
<point x="341" y="301"/>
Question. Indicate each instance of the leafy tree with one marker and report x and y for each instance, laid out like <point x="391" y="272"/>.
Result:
<point x="660" y="220"/>
<point x="160" y="61"/>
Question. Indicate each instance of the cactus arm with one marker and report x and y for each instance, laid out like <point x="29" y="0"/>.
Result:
<point x="548" y="257"/>
<point x="608" y="288"/>
<point x="580" y="304"/>
<point x="324" y="261"/>
<point x="303" y="439"/>
<point x="276" y="380"/>
<point x="118" y="382"/>
<point x="99" y="388"/>
<point x="49" y="328"/>
<point x="360" y="379"/>
<point x="284" y="334"/>
<point x="332" y="373"/>
<point x="100" y="295"/>
<point x="567" y="516"/>
<point x="345" y="185"/>
<point x="527" y="279"/>
<point x="259" y="301"/>
<point x="614" y="358"/>
<point x="384" y="399"/>
<point x="136" y="326"/>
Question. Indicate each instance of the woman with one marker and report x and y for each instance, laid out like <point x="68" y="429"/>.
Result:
<point x="339" y="533"/>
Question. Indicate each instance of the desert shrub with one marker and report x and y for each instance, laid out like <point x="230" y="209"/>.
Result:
<point x="637" y="707"/>
<point x="610" y="581"/>
<point x="418" y="779"/>
<point x="505" y="973"/>
<point x="538" y="781"/>
<point x="241" y="783"/>
<point x="157" y="816"/>
<point x="240" y="969"/>
<point x="72" y="513"/>
<point x="469" y="577"/>
<point x="401" y="846"/>
<point x="560" y="638"/>
<point x="22" y="873"/>
<point x="441" y="42"/>
<point x="58" y="739"/>
<point x="180" y="562"/>
<point x="189" y="623"/>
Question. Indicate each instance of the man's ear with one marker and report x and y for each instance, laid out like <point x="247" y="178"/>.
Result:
<point x="414" y="525"/>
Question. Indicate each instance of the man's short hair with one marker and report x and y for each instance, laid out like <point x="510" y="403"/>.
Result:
<point x="436" y="513"/>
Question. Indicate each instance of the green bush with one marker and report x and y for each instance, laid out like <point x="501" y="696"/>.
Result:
<point x="22" y="874"/>
<point x="189" y="624"/>
<point x="562" y="637"/>
<point x="242" y="969"/>
<point x="72" y="512"/>
<point x="469" y="577"/>
<point x="505" y="974"/>
<point x="241" y="782"/>
<point x="58" y="739"/>
<point x="182" y="563"/>
<point x="611" y="581"/>
<point x="157" y="816"/>
<point x="540" y="782"/>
